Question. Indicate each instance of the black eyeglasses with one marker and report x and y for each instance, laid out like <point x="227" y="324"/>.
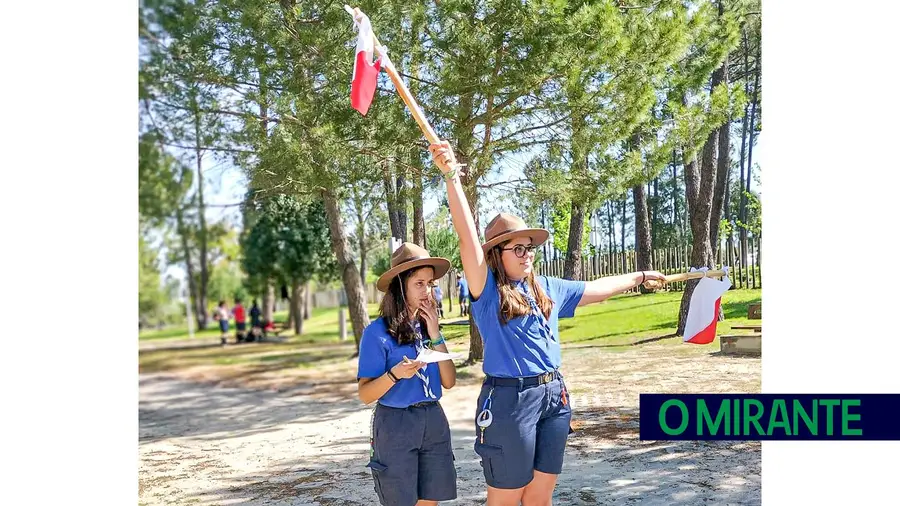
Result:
<point x="520" y="250"/>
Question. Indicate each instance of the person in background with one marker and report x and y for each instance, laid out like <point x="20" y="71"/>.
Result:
<point x="222" y="315"/>
<point x="438" y="299"/>
<point x="240" y="320"/>
<point x="255" y="322"/>
<point x="463" y="287"/>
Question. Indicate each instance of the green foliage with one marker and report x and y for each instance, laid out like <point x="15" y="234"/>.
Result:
<point x="725" y="229"/>
<point x="367" y="218"/>
<point x="754" y="214"/>
<point x="597" y="95"/>
<point x="443" y="242"/>
<point x="561" y="220"/>
<point x="754" y="206"/>
<point x="382" y="262"/>
<point x="162" y="182"/>
<point x="151" y="297"/>
<point x="227" y="283"/>
<point x="289" y="242"/>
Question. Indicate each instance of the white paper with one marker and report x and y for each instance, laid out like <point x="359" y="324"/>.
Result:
<point x="431" y="356"/>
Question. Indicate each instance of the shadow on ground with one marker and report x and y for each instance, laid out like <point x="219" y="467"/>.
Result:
<point x="606" y="462"/>
<point x="217" y="413"/>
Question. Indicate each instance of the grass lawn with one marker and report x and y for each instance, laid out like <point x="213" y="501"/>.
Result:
<point x="321" y="322"/>
<point x="626" y="319"/>
<point x="616" y="323"/>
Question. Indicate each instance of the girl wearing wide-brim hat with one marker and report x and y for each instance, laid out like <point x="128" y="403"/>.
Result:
<point x="411" y="455"/>
<point x="523" y="412"/>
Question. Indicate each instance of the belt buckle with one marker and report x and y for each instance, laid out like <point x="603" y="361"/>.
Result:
<point x="547" y="377"/>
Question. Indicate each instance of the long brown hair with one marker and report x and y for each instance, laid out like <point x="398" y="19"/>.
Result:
<point x="395" y="311"/>
<point x="512" y="302"/>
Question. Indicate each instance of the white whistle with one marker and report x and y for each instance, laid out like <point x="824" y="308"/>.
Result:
<point x="485" y="418"/>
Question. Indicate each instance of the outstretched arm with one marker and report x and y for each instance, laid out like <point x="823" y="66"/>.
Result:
<point x="470" y="251"/>
<point x="601" y="289"/>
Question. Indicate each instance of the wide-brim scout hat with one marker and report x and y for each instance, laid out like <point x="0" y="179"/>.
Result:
<point x="410" y="256"/>
<point x="506" y="226"/>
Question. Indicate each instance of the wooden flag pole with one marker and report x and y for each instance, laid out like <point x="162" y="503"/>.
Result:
<point x="407" y="97"/>
<point x="674" y="278"/>
<point x="694" y="275"/>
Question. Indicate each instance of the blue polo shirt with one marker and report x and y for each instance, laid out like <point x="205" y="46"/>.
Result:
<point x="379" y="352"/>
<point x="463" y="288"/>
<point x="517" y="348"/>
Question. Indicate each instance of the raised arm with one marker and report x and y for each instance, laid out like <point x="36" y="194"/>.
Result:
<point x="474" y="263"/>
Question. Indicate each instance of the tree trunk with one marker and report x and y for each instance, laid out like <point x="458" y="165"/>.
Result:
<point x="642" y="238"/>
<point x="199" y="311"/>
<point x="390" y="195"/>
<point x="723" y="164"/>
<point x="742" y="208"/>
<point x="723" y="178"/>
<point x="356" y="294"/>
<point x="752" y="126"/>
<point x="297" y="293"/>
<point x="699" y="184"/>
<point x="609" y="221"/>
<point x="360" y="234"/>
<point x="401" y="205"/>
<point x="745" y="219"/>
<point x="476" y="345"/>
<point x="307" y="300"/>
<point x="201" y="212"/>
<point x="726" y="215"/>
<point x="418" y="212"/>
<point x="290" y="320"/>
<point x="269" y="303"/>
<point x="572" y="268"/>
<point x="652" y="210"/>
<point x="464" y="132"/>
<point x="676" y="218"/>
<point x="624" y="205"/>
<point x="579" y="170"/>
<point x="707" y="171"/>
<point x="544" y="256"/>
<point x="363" y="268"/>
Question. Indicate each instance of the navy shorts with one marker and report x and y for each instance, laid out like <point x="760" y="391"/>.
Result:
<point x="241" y="326"/>
<point x="223" y="326"/>
<point x="529" y="432"/>
<point x="412" y="455"/>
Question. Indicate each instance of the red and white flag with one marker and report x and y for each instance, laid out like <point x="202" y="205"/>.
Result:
<point x="365" y="71"/>
<point x="703" y="313"/>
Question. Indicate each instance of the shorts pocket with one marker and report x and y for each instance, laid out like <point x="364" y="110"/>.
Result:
<point x="378" y="470"/>
<point x="376" y="466"/>
<point x="492" y="462"/>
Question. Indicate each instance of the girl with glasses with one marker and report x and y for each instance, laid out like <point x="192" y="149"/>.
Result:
<point x="523" y="412"/>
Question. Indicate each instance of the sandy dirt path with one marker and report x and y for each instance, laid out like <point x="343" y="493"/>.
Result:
<point x="204" y="443"/>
